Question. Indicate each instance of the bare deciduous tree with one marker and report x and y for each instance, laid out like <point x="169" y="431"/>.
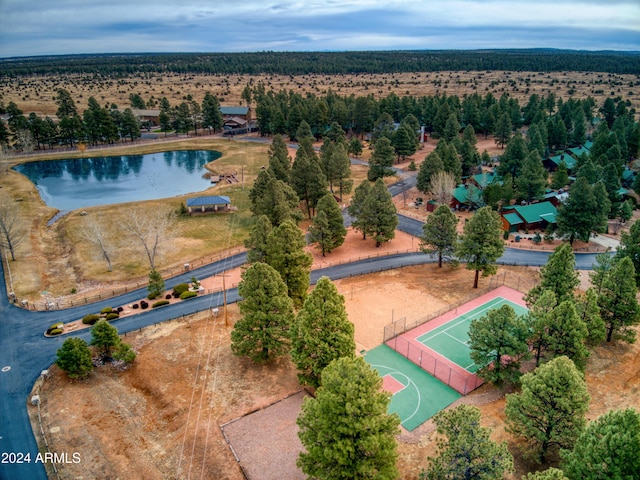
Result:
<point x="12" y="231"/>
<point x="96" y="233"/>
<point x="151" y="228"/>
<point x="441" y="187"/>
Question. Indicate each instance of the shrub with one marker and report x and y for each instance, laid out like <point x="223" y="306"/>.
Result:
<point x="505" y="235"/>
<point x="167" y="296"/>
<point x="412" y="166"/>
<point x="179" y="289"/>
<point x="160" y="303"/>
<point x="56" y="325"/>
<point x="106" y="310"/>
<point x="144" y="305"/>
<point x="120" y="309"/>
<point x="90" y="319"/>
<point x="135" y="305"/>
<point x="54" y="331"/>
<point x="112" y="316"/>
<point x="186" y="295"/>
<point x="152" y="296"/>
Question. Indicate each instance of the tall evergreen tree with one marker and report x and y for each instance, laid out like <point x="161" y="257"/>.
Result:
<point x="630" y="247"/>
<point x="582" y="214"/>
<point x="558" y="275"/>
<point x="618" y="302"/>
<point x="279" y="161"/>
<point x="465" y="448"/>
<point x="257" y="240"/>
<point x="380" y="214"/>
<point x="560" y="178"/>
<point x="549" y="412"/>
<point x="285" y="253"/>
<point x="404" y="143"/>
<point x="274" y="198"/>
<point x="307" y="179"/>
<point x="607" y="449"/>
<point x="105" y="337"/>
<point x="588" y="310"/>
<point x="566" y="334"/>
<point x="430" y="166"/>
<point x="211" y="114"/>
<point x="481" y="243"/>
<point x="262" y="333"/>
<point x="329" y="230"/>
<point x="503" y="129"/>
<point x="346" y="430"/>
<point x="322" y="332"/>
<point x="439" y="234"/>
<point x="532" y="182"/>
<point x="514" y="155"/>
<point x="498" y="341"/>
<point x="381" y="160"/>
<point x="538" y="319"/>
<point x="356" y="207"/>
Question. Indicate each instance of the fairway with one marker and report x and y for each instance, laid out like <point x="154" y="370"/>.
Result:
<point x="417" y="396"/>
<point x="451" y="339"/>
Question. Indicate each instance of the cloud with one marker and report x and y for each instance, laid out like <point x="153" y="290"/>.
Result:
<point x="86" y="26"/>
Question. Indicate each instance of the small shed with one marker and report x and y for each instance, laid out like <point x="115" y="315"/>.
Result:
<point x="211" y="203"/>
<point x="460" y="197"/>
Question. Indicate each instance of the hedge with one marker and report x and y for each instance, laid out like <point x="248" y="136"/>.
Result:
<point x="54" y="331"/>
<point x="106" y="310"/>
<point x="179" y="289"/>
<point x="188" y="294"/>
<point x="112" y="316"/>
<point x="90" y="319"/>
<point x="160" y="303"/>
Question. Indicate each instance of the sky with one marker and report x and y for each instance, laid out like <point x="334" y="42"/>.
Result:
<point x="56" y="27"/>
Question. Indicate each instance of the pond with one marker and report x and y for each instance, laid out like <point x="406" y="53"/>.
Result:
<point x="86" y="182"/>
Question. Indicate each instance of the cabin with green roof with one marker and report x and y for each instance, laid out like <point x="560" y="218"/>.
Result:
<point x="528" y="217"/>
<point x="552" y="163"/>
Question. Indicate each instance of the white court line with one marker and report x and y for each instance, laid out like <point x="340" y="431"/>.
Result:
<point x="410" y="382"/>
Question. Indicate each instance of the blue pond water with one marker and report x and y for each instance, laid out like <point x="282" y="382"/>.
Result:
<point x="77" y="183"/>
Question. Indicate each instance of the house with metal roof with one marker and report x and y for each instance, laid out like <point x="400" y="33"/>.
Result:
<point x="528" y="217"/>
<point x="209" y="203"/>
<point x="552" y="163"/>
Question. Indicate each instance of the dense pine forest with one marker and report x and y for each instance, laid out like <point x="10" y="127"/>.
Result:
<point x="298" y="63"/>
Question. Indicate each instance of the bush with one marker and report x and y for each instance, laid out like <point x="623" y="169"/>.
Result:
<point x="144" y="305"/>
<point x="179" y="289"/>
<point x="54" y="331"/>
<point x="505" y="235"/>
<point x="112" y="316"/>
<point x="186" y="295"/>
<point x="120" y="309"/>
<point x="90" y="319"/>
<point x="160" y="303"/>
<point x="56" y="325"/>
<point x="167" y="296"/>
<point x="152" y="296"/>
<point x="135" y="306"/>
<point x="106" y="310"/>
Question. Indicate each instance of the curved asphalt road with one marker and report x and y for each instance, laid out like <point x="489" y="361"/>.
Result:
<point x="25" y="352"/>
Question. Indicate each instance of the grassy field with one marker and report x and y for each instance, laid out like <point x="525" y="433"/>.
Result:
<point x="57" y="259"/>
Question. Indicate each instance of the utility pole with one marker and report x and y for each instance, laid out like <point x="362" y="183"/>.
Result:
<point x="224" y="298"/>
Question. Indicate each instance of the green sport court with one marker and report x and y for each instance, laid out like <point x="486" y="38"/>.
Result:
<point x="429" y="367"/>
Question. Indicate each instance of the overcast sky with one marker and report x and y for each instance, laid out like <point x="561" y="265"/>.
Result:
<point x="43" y="27"/>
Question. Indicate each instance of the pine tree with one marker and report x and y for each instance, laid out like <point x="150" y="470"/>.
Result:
<point x="559" y="275"/>
<point x="439" y="234"/>
<point x="257" y="241"/>
<point x="630" y="247"/>
<point x="285" y="253"/>
<point x="74" y="358"/>
<point x="156" y="285"/>
<point x="607" y="449"/>
<point x="583" y="213"/>
<point x="274" y="199"/>
<point x="380" y="214"/>
<point x="498" y="341"/>
<point x="549" y="412"/>
<point x="328" y="225"/>
<point x="322" y="332"/>
<point x="548" y="474"/>
<point x="513" y="157"/>
<point x="481" y="243"/>
<point x="262" y="334"/>
<point x="503" y="129"/>
<point x="105" y="337"/>
<point x="356" y="207"/>
<point x="532" y="182"/>
<point x="560" y="177"/>
<point x="404" y="143"/>
<point x="465" y="449"/>
<point x="346" y="430"/>
<point x="538" y="319"/>
<point x="588" y="310"/>
<point x="566" y="334"/>
<point x="307" y="179"/>
<point x="381" y="160"/>
<point x="430" y="166"/>
<point x="618" y="302"/>
<point x="279" y="161"/>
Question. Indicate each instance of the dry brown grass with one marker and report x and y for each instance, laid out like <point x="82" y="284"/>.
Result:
<point x="36" y="94"/>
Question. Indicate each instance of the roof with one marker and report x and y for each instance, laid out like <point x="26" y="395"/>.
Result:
<point x="485" y="178"/>
<point x="513" y="218"/>
<point x="537" y="211"/>
<point x="569" y="161"/>
<point x="145" y="113"/>
<point x="577" y="151"/>
<point x="461" y="194"/>
<point x="628" y="174"/>
<point x="234" y="110"/>
<point x="237" y="120"/>
<point x="208" y="200"/>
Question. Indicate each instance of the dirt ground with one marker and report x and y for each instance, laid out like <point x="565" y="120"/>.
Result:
<point x="161" y="418"/>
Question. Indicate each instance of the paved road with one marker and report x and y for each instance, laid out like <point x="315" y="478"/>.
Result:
<point x="25" y="352"/>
